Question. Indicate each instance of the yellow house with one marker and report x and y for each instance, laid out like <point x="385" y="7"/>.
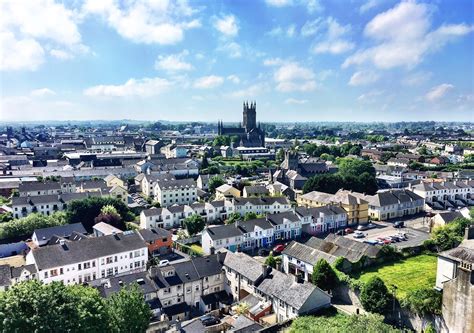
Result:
<point x="357" y="209"/>
<point x="226" y="191"/>
<point x="119" y="192"/>
<point x="112" y="180"/>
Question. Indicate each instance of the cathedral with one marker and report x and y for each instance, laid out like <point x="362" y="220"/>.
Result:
<point x="249" y="132"/>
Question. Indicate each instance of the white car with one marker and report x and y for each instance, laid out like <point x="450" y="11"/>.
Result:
<point x="163" y="263"/>
<point x="358" y="234"/>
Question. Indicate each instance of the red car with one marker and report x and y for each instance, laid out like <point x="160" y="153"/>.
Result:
<point x="348" y="231"/>
<point x="279" y="248"/>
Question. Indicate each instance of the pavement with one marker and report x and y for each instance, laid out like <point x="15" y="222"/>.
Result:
<point x="415" y="237"/>
<point x="349" y="309"/>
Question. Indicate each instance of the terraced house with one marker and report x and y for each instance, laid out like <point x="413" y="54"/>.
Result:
<point x="442" y="195"/>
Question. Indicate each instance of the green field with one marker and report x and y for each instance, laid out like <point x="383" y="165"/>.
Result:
<point x="406" y="274"/>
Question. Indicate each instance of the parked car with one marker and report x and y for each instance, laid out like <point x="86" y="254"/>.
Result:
<point x="210" y="321"/>
<point x="263" y="252"/>
<point x="348" y="231"/>
<point x="359" y="234"/>
<point x="279" y="248"/>
<point x="163" y="263"/>
<point x="371" y="242"/>
<point x="399" y="224"/>
<point x="371" y="225"/>
<point x="362" y="227"/>
<point x="393" y="239"/>
<point x="340" y="232"/>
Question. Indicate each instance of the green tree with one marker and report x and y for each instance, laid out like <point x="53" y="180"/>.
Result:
<point x="250" y="216"/>
<point x="86" y="210"/>
<point x="128" y="311"/>
<point x="109" y="215"/>
<point x="90" y="309"/>
<point x="374" y="296"/>
<point x="25" y="226"/>
<point x="270" y="261"/>
<point x="324" y="275"/>
<point x="215" y="182"/>
<point x="355" y="167"/>
<point x="233" y="217"/>
<point x="194" y="224"/>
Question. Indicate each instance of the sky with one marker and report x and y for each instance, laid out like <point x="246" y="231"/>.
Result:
<point x="178" y="60"/>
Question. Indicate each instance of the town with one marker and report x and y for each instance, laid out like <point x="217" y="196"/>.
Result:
<point x="225" y="226"/>
<point x="208" y="166"/>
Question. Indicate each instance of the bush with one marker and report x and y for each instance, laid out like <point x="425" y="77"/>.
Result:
<point x="374" y="296"/>
<point x="194" y="224"/>
<point x="423" y="301"/>
<point x="324" y="275"/>
<point x="25" y="226"/>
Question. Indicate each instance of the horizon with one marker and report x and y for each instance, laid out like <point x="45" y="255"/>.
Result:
<point x="300" y="60"/>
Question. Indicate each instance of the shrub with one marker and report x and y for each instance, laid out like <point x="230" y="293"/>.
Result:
<point x="324" y="275"/>
<point x="423" y="301"/>
<point x="374" y="296"/>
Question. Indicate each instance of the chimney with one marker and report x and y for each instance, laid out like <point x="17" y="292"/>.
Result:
<point x="264" y="271"/>
<point x="469" y="232"/>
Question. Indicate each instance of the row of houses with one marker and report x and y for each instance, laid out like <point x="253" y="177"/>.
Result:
<point x="264" y="232"/>
<point x="359" y="206"/>
<point x="214" y="211"/>
<point x="442" y="194"/>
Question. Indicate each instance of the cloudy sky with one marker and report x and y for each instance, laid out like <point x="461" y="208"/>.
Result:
<point x="301" y="60"/>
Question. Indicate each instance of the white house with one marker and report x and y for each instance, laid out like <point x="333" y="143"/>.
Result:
<point x="179" y="191"/>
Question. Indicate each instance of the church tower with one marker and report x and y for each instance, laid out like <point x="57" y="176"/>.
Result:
<point x="250" y="116"/>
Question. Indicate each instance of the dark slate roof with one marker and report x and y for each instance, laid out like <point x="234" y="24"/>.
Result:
<point x="16" y="271"/>
<point x="450" y="216"/>
<point x="142" y="279"/>
<point x="176" y="209"/>
<point x="307" y="253"/>
<point x="153" y="234"/>
<point x="208" y="265"/>
<point x="464" y="252"/>
<point x="39" y="186"/>
<point x="178" y="183"/>
<point x="258" y="189"/>
<point x="220" y="296"/>
<point x="176" y="309"/>
<point x="223" y="231"/>
<point x="249" y="226"/>
<point x="51" y="198"/>
<point x="86" y="249"/>
<point x="61" y="231"/>
<point x="279" y="217"/>
<point x="316" y="211"/>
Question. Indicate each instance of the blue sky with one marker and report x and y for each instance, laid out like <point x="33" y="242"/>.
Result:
<point x="313" y="60"/>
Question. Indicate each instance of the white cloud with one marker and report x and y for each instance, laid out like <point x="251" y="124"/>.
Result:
<point x="173" y="62"/>
<point x="28" y="32"/>
<point x="333" y="39"/>
<point x="293" y="77"/>
<point x="145" y="87"/>
<point x="61" y="54"/>
<point x="369" y="97"/>
<point x="234" y="79"/>
<point x="42" y="92"/>
<point x="232" y="49"/>
<point x="149" y="22"/>
<point x="208" y="82"/>
<point x="363" y="78"/>
<point x="273" y="62"/>
<point x="227" y="25"/>
<point x="296" y="101"/>
<point x="403" y="37"/>
<point x="438" y="92"/>
<point x="249" y="92"/>
<point x="369" y="4"/>
<point x="310" y="28"/>
<point x="416" y="79"/>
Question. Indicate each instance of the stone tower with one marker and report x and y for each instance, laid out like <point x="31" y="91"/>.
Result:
<point x="250" y="116"/>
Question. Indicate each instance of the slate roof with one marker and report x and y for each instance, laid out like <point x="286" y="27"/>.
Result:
<point x="177" y="183"/>
<point x="223" y="231"/>
<point x="61" y="231"/>
<point x="259" y="189"/>
<point x="142" y="279"/>
<point x="464" y="252"/>
<point x="450" y="216"/>
<point x="5" y="275"/>
<point x="51" y="198"/>
<point x="244" y="264"/>
<point x="39" y="186"/>
<point x="279" y="217"/>
<point x="16" y="271"/>
<point x="316" y="211"/>
<point x="307" y="253"/>
<point x="153" y="234"/>
<point x="152" y="211"/>
<point x="262" y="201"/>
<point x="86" y="249"/>
<point x="284" y="287"/>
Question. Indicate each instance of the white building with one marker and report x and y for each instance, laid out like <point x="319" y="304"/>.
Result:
<point x="75" y="262"/>
<point x="179" y="191"/>
<point x="442" y="195"/>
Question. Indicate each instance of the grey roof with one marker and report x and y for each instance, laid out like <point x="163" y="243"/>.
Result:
<point x="5" y="275"/>
<point x="52" y="198"/>
<point x="249" y="226"/>
<point x="223" y="231"/>
<point x="464" y="252"/>
<point x="343" y="247"/>
<point x="39" y="186"/>
<point x="284" y="287"/>
<point x="316" y="211"/>
<point x="154" y="233"/>
<point x="244" y="264"/>
<point x="258" y="189"/>
<point x="60" y="231"/>
<point x="307" y="253"/>
<point x="450" y="216"/>
<point x="178" y="183"/>
<point x="16" y="271"/>
<point x="152" y="211"/>
<point x="279" y="217"/>
<point x="86" y="249"/>
<point x="142" y="279"/>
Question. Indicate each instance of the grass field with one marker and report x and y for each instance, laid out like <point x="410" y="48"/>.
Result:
<point x="407" y="274"/>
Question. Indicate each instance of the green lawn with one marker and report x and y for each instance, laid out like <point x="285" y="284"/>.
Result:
<point x="197" y="248"/>
<point x="407" y="274"/>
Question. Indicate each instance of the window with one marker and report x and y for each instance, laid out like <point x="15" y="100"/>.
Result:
<point x="54" y="272"/>
<point x="188" y="290"/>
<point x="110" y="271"/>
<point x="108" y="260"/>
<point x="137" y="264"/>
<point x="79" y="267"/>
<point x="61" y="271"/>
